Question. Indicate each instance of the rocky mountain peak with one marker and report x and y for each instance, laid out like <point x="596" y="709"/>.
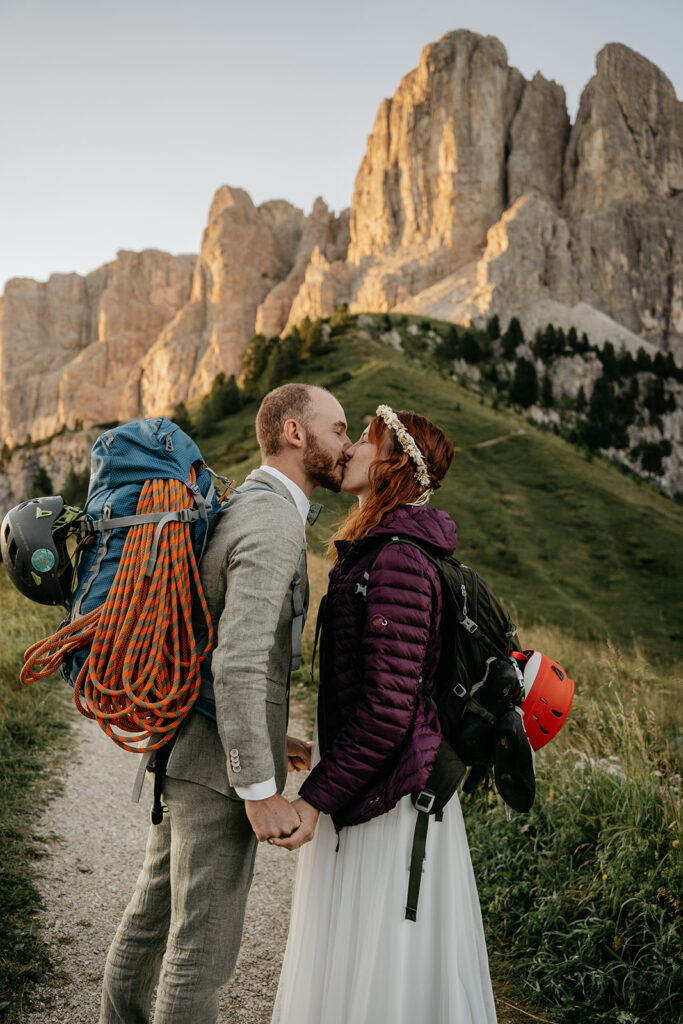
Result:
<point x="627" y="143"/>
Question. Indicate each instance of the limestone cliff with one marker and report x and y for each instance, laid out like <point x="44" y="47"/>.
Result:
<point x="475" y="197"/>
<point x="71" y="348"/>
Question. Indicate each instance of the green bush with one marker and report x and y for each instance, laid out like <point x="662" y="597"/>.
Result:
<point x="582" y="897"/>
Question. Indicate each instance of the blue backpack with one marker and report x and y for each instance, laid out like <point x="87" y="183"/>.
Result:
<point x="122" y="460"/>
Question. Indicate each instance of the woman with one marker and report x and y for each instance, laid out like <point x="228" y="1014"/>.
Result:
<point x="352" y="957"/>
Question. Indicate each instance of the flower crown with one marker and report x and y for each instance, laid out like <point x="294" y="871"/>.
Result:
<point x="407" y="443"/>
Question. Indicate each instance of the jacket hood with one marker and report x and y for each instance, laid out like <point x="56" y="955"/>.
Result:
<point x="419" y="522"/>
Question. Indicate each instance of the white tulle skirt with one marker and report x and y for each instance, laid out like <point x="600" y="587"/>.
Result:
<point x="351" y="956"/>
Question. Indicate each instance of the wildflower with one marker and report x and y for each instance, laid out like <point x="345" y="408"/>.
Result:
<point x="604" y="878"/>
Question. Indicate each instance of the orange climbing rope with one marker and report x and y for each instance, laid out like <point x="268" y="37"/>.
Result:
<point x="142" y="674"/>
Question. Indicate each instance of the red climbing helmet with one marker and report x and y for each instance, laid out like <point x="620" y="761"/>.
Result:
<point x="549" y="693"/>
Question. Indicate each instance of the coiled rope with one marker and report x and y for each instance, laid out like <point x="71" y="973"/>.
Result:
<point x="142" y="674"/>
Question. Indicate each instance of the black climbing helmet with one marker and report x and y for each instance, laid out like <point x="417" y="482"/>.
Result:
<point x="31" y="553"/>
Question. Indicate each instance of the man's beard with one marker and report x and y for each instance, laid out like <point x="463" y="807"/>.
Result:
<point x="321" y="465"/>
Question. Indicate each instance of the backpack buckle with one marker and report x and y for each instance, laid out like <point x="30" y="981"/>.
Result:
<point x="425" y="801"/>
<point x="469" y="624"/>
<point x="459" y="690"/>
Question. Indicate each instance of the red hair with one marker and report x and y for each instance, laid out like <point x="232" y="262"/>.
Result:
<point x="392" y="476"/>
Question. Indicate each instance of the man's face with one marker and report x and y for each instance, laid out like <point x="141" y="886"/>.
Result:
<point x="324" y="454"/>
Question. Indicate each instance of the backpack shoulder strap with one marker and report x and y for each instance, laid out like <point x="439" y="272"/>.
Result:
<point x="447" y="566"/>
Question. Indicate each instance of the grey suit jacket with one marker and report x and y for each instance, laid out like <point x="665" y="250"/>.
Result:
<point x="246" y="574"/>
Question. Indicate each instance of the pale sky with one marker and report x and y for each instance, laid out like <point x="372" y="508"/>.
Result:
<point x="120" y="120"/>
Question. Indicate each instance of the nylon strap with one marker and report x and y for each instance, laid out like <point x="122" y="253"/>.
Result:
<point x="417" y="858"/>
<point x="183" y="515"/>
<point x="102" y="525"/>
<point x="464" y="620"/>
<point x="318" y="630"/>
<point x="299" y="617"/>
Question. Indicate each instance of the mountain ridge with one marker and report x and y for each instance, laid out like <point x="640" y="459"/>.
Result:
<point x="474" y="182"/>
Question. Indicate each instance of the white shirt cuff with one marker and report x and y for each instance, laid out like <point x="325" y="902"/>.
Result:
<point x="258" y="790"/>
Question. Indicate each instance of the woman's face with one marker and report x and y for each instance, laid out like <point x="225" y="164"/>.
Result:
<point x="360" y="457"/>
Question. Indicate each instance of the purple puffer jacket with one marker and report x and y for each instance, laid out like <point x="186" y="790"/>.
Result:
<point x="378" y="735"/>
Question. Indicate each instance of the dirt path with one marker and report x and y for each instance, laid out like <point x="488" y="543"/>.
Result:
<point x="92" y="838"/>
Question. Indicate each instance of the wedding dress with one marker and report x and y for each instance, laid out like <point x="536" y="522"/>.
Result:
<point x="353" y="958"/>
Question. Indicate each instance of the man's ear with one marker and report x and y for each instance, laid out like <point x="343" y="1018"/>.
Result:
<point x="294" y="435"/>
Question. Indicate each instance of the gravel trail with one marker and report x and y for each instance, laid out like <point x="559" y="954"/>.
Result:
<point x="92" y="840"/>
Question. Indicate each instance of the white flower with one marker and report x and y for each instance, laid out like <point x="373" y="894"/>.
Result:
<point x="407" y="443"/>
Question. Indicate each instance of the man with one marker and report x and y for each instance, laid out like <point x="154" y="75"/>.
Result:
<point x="224" y="778"/>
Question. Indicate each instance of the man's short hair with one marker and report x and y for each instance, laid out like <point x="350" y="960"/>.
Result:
<point x="288" y="402"/>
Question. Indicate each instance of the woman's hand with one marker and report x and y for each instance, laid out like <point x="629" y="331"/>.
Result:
<point x="305" y="831"/>
<point x="298" y="754"/>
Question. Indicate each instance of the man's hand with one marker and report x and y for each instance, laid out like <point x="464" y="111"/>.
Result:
<point x="298" y="754"/>
<point x="305" y="831"/>
<point x="272" y="817"/>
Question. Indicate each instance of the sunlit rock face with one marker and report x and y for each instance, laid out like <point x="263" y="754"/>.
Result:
<point x="475" y="196"/>
<point x="71" y="348"/>
<point x="149" y="329"/>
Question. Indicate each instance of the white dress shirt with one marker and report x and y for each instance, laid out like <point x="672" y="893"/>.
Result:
<point x="262" y="790"/>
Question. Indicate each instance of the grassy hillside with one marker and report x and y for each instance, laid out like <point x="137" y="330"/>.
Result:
<point x="580" y="898"/>
<point x="566" y="540"/>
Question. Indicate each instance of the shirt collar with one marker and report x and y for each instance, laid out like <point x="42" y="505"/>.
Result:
<point x="301" y="501"/>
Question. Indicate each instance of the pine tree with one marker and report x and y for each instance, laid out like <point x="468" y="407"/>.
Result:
<point x="493" y="327"/>
<point x="283" y="363"/>
<point x="607" y="357"/>
<point x="469" y="348"/>
<point x="643" y="361"/>
<point x="546" y="392"/>
<point x="304" y="332"/>
<point x="205" y="419"/>
<point x="254" y="362"/>
<point x="656" y="398"/>
<point x="572" y="339"/>
<point x="601" y="429"/>
<point x="581" y="400"/>
<point x="182" y="418"/>
<point x="315" y="339"/>
<point x="224" y="396"/>
<point x="513" y="337"/>
<point x="626" y="364"/>
<point x="447" y="351"/>
<point x="524" y="388"/>
<point x="74" y="490"/>
<point x="41" y="485"/>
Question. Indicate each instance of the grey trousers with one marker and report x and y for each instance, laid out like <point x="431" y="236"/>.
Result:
<point x="183" y="926"/>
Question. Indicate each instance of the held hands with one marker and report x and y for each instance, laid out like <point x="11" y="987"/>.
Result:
<point x="304" y="833"/>
<point x="272" y="817"/>
<point x="298" y="754"/>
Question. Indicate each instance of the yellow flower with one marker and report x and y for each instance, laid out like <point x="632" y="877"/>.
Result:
<point x="604" y="878"/>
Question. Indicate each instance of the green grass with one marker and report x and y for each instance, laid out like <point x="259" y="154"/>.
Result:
<point x="582" y="897"/>
<point x="32" y="720"/>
